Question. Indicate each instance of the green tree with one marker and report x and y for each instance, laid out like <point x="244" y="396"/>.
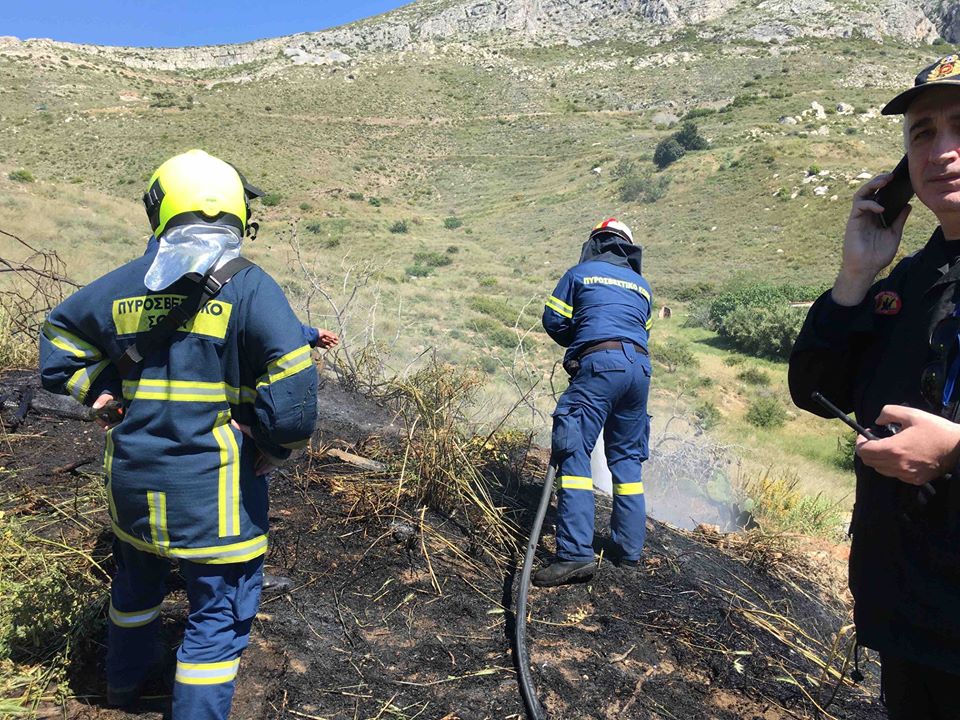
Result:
<point x="668" y="151"/>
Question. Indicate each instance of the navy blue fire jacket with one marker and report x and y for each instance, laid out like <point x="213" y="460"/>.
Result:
<point x="604" y="297"/>
<point x="180" y="478"/>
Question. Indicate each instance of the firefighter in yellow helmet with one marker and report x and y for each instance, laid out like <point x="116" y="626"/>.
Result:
<point x="206" y="412"/>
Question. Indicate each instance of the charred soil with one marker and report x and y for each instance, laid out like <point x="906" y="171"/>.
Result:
<point x="400" y="613"/>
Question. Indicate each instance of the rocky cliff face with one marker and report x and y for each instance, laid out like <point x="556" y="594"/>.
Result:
<point x="428" y="23"/>
<point x="946" y="15"/>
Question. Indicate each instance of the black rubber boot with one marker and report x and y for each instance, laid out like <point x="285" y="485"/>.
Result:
<point x="561" y="572"/>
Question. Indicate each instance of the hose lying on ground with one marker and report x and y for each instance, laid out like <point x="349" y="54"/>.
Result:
<point x="534" y="710"/>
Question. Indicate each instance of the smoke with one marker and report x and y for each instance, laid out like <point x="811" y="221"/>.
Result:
<point x="685" y="480"/>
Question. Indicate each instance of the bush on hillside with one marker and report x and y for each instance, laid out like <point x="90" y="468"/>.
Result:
<point x="452" y="223"/>
<point x="756" y="295"/>
<point x="271" y="199"/>
<point x="754" y="376"/>
<point x="690" y="138"/>
<point x="673" y="355"/>
<point x="644" y="188"/>
<point x="21" y="176"/>
<point x="668" y="151"/>
<point x="400" y="227"/>
<point x="430" y="258"/>
<point x="763" y="332"/>
<point x="766" y="411"/>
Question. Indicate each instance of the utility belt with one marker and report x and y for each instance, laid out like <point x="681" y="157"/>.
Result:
<point x="572" y="366"/>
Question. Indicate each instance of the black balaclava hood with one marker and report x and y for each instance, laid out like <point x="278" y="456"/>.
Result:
<point x="610" y="248"/>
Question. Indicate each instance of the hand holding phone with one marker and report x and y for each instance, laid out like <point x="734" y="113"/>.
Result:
<point x="895" y="195"/>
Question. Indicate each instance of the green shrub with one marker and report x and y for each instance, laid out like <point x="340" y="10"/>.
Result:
<point x="843" y="455"/>
<point x="757" y="295"/>
<point x="452" y="223"/>
<point x="453" y="249"/>
<point x="494" y="307"/>
<point x="418" y="271"/>
<point x="646" y="188"/>
<point x="762" y="332"/>
<point x="355" y="196"/>
<point x="699" y="113"/>
<point x="271" y="199"/>
<point x="673" y="355"/>
<point x="494" y="333"/>
<point x="766" y="411"/>
<point x="430" y="258"/>
<point x="690" y="138"/>
<point x="624" y="168"/>
<point x="400" y="227"/>
<point x="306" y="207"/>
<point x="376" y="202"/>
<point x="21" y="176"/>
<point x="754" y="376"/>
<point x="707" y="414"/>
<point x="314" y="226"/>
<point x="668" y="151"/>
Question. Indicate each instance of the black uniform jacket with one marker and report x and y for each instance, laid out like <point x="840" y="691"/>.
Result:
<point x="905" y="556"/>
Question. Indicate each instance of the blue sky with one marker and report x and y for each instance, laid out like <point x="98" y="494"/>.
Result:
<point x="173" y="23"/>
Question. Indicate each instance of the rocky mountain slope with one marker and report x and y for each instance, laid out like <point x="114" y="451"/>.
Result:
<point x="425" y="24"/>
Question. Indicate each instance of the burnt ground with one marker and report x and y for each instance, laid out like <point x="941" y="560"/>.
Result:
<point x="401" y="614"/>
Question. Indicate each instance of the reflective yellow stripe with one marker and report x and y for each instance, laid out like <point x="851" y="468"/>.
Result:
<point x="134" y="619"/>
<point x="560" y="307"/>
<point x="628" y="488"/>
<point x="108" y="473"/>
<point x="576" y="482"/>
<point x="175" y="390"/>
<point x="207" y="673"/>
<point x="649" y="323"/>
<point x="157" y="505"/>
<point x="68" y="342"/>
<point x="228" y="497"/>
<point x="286" y="365"/>
<point x="215" y="555"/>
<point x="79" y="383"/>
<point x="237" y="396"/>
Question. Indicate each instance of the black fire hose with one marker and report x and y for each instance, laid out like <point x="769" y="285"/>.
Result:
<point x="534" y="710"/>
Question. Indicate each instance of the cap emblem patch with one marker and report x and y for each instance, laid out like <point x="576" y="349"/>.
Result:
<point x="947" y="67"/>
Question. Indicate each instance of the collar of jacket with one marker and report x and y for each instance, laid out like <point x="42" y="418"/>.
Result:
<point x="935" y="255"/>
<point x="611" y="249"/>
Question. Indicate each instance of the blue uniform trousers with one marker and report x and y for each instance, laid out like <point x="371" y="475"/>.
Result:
<point x="223" y="602"/>
<point x="608" y="393"/>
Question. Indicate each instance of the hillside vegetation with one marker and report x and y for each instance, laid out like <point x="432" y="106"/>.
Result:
<point x="445" y="188"/>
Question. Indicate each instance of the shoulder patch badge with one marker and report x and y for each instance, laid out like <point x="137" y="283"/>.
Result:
<point x="887" y="303"/>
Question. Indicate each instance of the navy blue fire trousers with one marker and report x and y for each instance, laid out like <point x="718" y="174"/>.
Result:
<point x="608" y="393"/>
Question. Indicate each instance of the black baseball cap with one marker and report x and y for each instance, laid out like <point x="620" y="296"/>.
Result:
<point x="945" y="71"/>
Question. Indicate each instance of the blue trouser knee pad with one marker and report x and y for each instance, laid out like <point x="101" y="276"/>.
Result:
<point x="608" y="394"/>
<point x="223" y="602"/>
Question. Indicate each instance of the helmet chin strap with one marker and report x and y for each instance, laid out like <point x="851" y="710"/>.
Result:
<point x="252" y="229"/>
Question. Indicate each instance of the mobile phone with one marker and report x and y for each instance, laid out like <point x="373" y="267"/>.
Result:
<point x="895" y="195"/>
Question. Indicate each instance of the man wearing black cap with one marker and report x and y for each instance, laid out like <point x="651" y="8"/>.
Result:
<point x="890" y="351"/>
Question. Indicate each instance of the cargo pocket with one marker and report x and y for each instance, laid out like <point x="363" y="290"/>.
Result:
<point x="645" y="438"/>
<point x="566" y="433"/>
